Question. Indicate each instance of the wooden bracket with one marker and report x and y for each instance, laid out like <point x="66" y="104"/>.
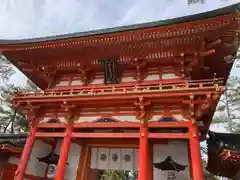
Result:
<point x="32" y="113"/>
<point x="143" y="112"/>
<point x="84" y="71"/>
<point x="69" y="109"/>
<point x="138" y="63"/>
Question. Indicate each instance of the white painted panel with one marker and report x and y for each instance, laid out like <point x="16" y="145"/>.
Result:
<point x="128" y="164"/>
<point x="170" y="76"/>
<point x="136" y="156"/>
<point x="94" y="158"/>
<point x="156" y="117"/>
<point x="120" y="164"/>
<point x="178" y="151"/>
<point x="58" y="147"/>
<point x="76" y="82"/>
<point x="87" y="118"/>
<point x="179" y="117"/>
<point x="115" y="163"/>
<point x="125" y="118"/>
<point x="97" y="81"/>
<point x="13" y="160"/>
<point x="39" y="150"/>
<point x="152" y="77"/>
<point x="62" y="120"/>
<point x="62" y="83"/>
<point x="128" y="79"/>
<point x="103" y="163"/>
<point x="73" y="161"/>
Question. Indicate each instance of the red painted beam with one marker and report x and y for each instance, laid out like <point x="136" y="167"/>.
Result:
<point x="47" y="134"/>
<point x="49" y="125"/>
<point x="178" y="124"/>
<point x="107" y="125"/>
<point x="105" y="135"/>
<point x="131" y="135"/>
<point x="168" y="135"/>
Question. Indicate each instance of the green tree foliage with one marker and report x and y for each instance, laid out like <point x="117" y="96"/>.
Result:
<point x="11" y="120"/>
<point x="118" y="175"/>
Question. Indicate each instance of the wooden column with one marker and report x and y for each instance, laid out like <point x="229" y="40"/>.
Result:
<point x="195" y="153"/>
<point x="64" y="154"/>
<point x="26" y="153"/>
<point x="143" y="152"/>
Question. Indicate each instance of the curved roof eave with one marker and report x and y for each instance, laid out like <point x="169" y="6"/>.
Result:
<point x="179" y="20"/>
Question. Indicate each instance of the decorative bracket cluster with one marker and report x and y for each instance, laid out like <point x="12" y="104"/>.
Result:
<point x="196" y="109"/>
<point x="190" y="61"/>
<point x="84" y="73"/>
<point x="45" y="72"/>
<point x="70" y="110"/>
<point x="48" y="74"/>
<point x="32" y="112"/>
<point x="138" y="63"/>
<point x="143" y="109"/>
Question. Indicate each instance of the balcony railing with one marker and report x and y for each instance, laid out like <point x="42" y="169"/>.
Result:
<point x="126" y="89"/>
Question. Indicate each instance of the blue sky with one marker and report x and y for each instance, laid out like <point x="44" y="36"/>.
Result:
<point x="38" y="18"/>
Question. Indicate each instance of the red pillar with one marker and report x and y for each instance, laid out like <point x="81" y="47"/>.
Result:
<point x="64" y="154"/>
<point x="143" y="153"/>
<point x="196" y="160"/>
<point x="26" y="154"/>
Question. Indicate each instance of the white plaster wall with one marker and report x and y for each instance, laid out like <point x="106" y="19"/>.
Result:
<point x="126" y="118"/>
<point x="98" y="81"/>
<point x="94" y="118"/>
<point x="179" y="152"/>
<point x="152" y="77"/>
<point x="13" y="160"/>
<point x="128" y="79"/>
<point x="169" y="76"/>
<point x="76" y="82"/>
<point x="87" y="119"/>
<point x="60" y="118"/>
<point x="73" y="159"/>
<point x="62" y="83"/>
<point x="178" y="117"/>
<point x="34" y="167"/>
<point x="109" y="163"/>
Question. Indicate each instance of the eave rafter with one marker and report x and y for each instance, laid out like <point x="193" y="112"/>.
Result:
<point x="173" y="31"/>
<point x="45" y="72"/>
<point x="194" y="60"/>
